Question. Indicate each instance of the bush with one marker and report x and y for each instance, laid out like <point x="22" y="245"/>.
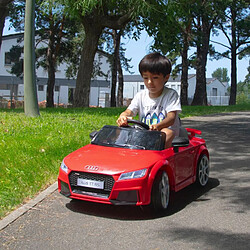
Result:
<point x="242" y="98"/>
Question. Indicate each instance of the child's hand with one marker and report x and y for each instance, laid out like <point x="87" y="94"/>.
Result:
<point x="154" y="127"/>
<point x="122" y="121"/>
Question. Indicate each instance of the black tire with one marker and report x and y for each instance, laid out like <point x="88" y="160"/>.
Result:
<point x="202" y="172"/>
<point x="160" y="192"/>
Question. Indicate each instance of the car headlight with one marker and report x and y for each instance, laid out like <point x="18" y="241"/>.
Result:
<point x="133" y="175"/>
<point x="64" y="168"/>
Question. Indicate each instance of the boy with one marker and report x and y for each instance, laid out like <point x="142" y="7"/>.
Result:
<point x="158" y="106"/>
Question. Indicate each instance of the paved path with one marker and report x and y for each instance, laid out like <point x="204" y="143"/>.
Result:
<point x="215" y="218"/>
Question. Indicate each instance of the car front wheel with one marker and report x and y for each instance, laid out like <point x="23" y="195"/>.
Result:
<point x="202" y="175"/>
<point x="160" y="192"/>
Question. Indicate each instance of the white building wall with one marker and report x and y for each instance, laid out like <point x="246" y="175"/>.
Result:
<point x="63" y="94"/>
<point x="4" y="92"/>
<point x="191" y="87"/>
<point x="41" y="95"/>
<point x="131" y="88"/>
<point x="216" y="84"/>
<point x="174" y="85"/>
<point x="98" y="96"/>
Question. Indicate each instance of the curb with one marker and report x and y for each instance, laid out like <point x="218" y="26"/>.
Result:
<point x="26" y="207"/>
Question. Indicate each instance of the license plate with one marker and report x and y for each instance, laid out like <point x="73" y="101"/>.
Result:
<point x="90" y="183"/>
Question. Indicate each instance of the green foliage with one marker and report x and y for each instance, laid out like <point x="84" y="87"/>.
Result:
<point x="242" y="98"/>
<point x="221" y="74"/>
<point x="113" y="7"/>
<point x="235" y="26"/>
<point x="15" y="55"/>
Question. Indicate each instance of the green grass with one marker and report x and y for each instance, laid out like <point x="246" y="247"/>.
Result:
<point x="31" y="149"/>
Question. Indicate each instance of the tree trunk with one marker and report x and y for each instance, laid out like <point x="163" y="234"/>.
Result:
<point x="51" y="83"/>
<point x="30" y="91"/>
<point x="233" y="90"/>
<point x="200" y="96"/>
<point x="120" y="84"/>
<point x="92" y="33"/>
<point x="54" y="45"/>
<point x="184" y="74"/>
<point x="51" y="68"/>
<point x="114" y="68"/>
<point x="3" y="14"/>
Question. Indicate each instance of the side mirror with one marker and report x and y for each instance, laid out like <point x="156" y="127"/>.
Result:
<point x="93" y="134"/>
<point x="179" y="142"/>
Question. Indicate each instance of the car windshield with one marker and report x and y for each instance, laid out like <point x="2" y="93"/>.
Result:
<point x="125" y="137"/>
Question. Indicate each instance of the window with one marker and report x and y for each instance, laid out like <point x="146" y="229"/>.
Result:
<point x="40" y="87"/>
<point x="7" y="58"/>
<point x="57" y="88"/>
<point x="141" y="87"/>
<point x="214" y="92"/>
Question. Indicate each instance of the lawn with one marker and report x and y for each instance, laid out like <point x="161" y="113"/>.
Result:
<point x="33" y="148"/>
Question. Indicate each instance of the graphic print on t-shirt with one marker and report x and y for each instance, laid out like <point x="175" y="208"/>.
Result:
<point x="153" y="119"/>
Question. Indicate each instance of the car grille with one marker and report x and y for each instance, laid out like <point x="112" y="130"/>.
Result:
<point x="103" y="193"/>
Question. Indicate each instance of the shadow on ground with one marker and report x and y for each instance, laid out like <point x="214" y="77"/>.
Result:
<point x="178" y="202"/>
<point x="213" y="238"/>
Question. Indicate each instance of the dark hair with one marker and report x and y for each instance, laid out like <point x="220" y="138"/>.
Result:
<point x="155" y="63"/>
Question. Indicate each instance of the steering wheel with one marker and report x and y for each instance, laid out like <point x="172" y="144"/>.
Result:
<point x="142" y="125"/>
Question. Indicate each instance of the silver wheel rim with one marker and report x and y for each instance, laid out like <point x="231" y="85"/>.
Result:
<point x="164" y="190"/>
<point x="203" y="171"/>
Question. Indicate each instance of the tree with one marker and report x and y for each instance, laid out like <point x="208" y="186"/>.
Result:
<point x="3" y="13"/>
<point x="221" y="74"/>
<point x="30" y="93"/>
<point x="96" y="15"/>
<point x="171" y="27"/>
<point x="206" y="15"/>
<point x="235" y="27"/>
<point x="54" y="32"/>
<point x="111" y="43"/>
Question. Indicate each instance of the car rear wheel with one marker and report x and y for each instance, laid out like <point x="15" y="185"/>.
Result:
<point x="202" y="174"/>
<point x="160" y="192"/>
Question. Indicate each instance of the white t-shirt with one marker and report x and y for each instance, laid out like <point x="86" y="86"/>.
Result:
<point x="154" y="110"/>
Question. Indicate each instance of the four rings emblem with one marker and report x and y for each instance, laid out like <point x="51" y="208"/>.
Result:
<point x="93" y="168"/>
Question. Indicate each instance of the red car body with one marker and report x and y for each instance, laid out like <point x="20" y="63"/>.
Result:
<point x="93" y="172"/>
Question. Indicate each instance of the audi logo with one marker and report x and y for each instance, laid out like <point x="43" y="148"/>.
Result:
<point x="93" y="168"/>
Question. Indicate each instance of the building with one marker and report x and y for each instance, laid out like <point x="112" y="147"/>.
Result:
<point x="216" y="90"/>
<point x="12" y="86"/>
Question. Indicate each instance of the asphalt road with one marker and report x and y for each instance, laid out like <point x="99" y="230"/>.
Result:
<point x="217" y="217"/>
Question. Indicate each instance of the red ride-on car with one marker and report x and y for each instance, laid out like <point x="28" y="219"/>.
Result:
<point x="129" y="166"/>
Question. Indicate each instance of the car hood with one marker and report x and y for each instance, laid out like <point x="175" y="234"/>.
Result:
<point x="110" y="160"/>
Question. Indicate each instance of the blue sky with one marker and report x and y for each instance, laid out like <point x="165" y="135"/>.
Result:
<point x="137" y="49"/>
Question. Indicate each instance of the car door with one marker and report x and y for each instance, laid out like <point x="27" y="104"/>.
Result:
<point x="184" y="164"/>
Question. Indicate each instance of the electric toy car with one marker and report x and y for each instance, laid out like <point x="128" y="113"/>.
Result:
<point x="130" y="166"/>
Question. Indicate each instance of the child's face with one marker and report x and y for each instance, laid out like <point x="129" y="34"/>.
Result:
<point x="154" y="83"/>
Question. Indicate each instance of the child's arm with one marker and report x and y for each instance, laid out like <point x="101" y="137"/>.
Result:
<point x="167" y="122"/>
<point x="123" y="118"/>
